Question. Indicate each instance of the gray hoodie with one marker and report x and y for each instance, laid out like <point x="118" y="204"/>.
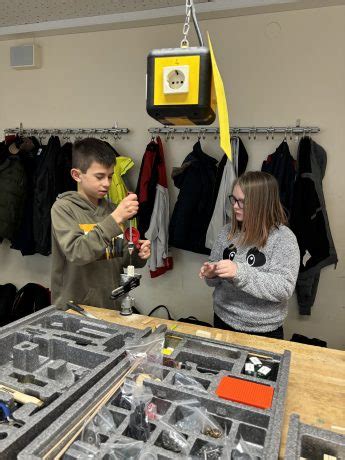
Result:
<point x="85" y="268"/>
<point x="256" y="300"/>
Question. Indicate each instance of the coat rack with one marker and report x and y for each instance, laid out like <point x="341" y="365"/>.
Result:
<point x="67" y="133"/>
<point x="252" y="132"/>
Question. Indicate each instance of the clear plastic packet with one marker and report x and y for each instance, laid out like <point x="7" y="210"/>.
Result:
<point x="147" y="357"/>
<point x="130" y="392"/>
<point x="172" y="440"/>
<point x="195" y="418"/>
<point x="243" y="451"/>
<point x="123" y="449"/>
<point x="139" y="425"/>
<point x="101" y="424"/>
<point x="83" y="451"/>
<point x="209" y="452"/>
<point x="188" y="382"/>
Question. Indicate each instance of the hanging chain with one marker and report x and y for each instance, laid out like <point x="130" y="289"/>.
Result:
<point x="184" y="41"/>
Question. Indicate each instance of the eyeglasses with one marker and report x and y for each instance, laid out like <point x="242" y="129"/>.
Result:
<point x="234" y="200"/>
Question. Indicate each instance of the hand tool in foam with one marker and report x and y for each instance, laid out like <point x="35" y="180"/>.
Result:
<point x="21" y="397"/>
<point x="73" y="306"/>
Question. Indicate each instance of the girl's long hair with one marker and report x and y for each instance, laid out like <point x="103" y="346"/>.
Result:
<point x="262" y="209"/>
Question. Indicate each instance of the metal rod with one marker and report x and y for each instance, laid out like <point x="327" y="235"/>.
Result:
<point x="71" y="131"/>
<point x="237" y="130"/>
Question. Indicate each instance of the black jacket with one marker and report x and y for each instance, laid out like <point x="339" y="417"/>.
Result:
<point x="45" y="192"/>
<point x="196" y="180"/>
<point x="24" y="240"/>
<point x="309" y="221"/>
<point x="12" y="194"/>
<point x="282" y="166"/>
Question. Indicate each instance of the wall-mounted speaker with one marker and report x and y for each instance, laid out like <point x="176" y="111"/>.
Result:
<point x="25" y="57"/>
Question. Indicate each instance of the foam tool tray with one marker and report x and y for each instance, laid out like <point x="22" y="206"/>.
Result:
<point x="47" y="361"/>
<point x="208" y="362"/>
<point x="312" y="443"/>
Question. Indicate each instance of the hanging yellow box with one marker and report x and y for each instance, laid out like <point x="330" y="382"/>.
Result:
<point x="179" y="86"/>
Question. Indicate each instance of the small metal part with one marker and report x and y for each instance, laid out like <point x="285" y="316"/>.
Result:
<point x="127" y="284"/>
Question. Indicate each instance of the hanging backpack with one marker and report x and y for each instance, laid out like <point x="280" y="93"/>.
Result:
<point x="7" y="295"/>
<point x="29" y="299"/>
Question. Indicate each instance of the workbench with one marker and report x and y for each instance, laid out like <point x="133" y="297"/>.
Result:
<point x="316" y="389"/>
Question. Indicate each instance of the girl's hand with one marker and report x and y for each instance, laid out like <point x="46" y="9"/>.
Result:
<point x="145" y="249"/>
<point x="226" y="269"/>
<point x="207" y="270"/>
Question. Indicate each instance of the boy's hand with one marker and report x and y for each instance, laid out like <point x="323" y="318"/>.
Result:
<point x="226" y="269"/>
<point x="145" y="249"/>
<point x="126" y="209"/>
<point x="207" y="270"/>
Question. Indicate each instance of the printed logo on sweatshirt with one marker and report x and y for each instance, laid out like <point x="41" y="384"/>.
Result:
<point x="87" y="227"/>
<point x="230" y="252"/>
<point x="254" y="257"/>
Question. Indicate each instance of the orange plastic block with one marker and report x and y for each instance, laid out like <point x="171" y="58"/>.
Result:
<point x="245" y="392"/>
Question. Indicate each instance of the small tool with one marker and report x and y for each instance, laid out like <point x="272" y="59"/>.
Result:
<point x="132" y="235"/>
<point x="21" y="397"/>
<point x="73" y="306"/>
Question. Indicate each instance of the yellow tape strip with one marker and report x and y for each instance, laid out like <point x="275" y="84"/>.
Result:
<point x="222" y="107"/>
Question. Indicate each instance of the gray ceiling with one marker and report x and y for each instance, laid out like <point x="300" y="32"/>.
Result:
<point x="33" y="18"/>
<point x="19" y="12"/>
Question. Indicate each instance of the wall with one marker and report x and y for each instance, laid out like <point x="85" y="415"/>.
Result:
<point x="276" y="68"/>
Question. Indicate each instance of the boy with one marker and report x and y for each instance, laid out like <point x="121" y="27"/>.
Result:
<point x="85" y="268"/>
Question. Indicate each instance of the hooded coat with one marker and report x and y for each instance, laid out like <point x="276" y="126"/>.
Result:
<point x="192" y="213"/>
<point x="309" y="222"/>
<point x="86" y="267"/>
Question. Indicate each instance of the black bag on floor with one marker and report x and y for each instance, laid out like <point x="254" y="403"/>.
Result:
<point x="30" y="298"/>
<point x="189" y="319"/>
<point x="303" y="339"/>
<point x="7" y="296"/>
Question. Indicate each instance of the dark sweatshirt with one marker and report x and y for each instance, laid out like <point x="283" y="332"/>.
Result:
<point x="83" y="267"/>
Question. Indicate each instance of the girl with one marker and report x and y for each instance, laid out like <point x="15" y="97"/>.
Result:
<point x="254" y="262"/>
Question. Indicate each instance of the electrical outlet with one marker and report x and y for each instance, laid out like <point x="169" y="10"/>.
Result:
<point x="176" y="79"/>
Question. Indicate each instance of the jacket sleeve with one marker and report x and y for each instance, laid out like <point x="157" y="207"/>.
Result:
<point x="278" y="283"/>
<point x="217" y="255"/>
<point x="80" y="248"/>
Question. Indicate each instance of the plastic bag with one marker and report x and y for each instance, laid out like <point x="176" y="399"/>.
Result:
<point x="83" y="451"/>
<point x="209" y="452"/>
<point x="243" y="451"/>
<point x="196" y="419"/>
<point x="101" y="424"/>
<point x="131" y="392"/>
<point x="139" y="426"/>
<point x="123" y="449"/>
<point x="187" y="382"/>
<point x="147" y="357"/>
<point x="171" y="440"/>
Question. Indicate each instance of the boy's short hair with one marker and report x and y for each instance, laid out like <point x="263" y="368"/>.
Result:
<point x="87" y="150"/>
